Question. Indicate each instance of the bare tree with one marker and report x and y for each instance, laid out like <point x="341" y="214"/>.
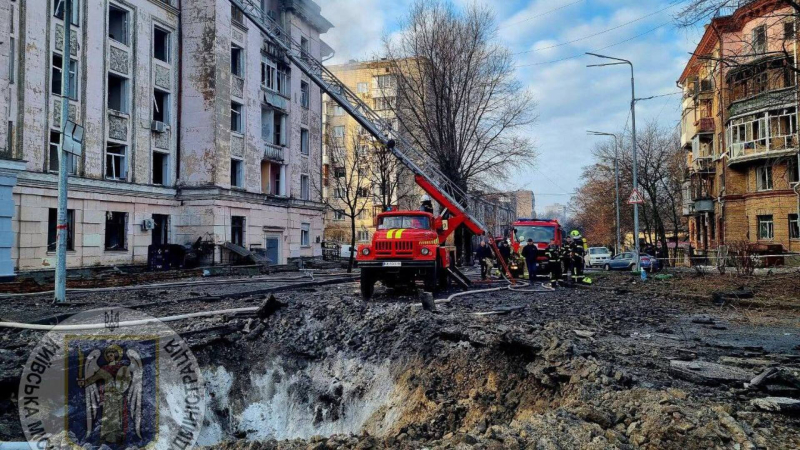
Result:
<point x="390" y="182"/>
<point x="347" y="180"/>
<point x="456" y="96"/>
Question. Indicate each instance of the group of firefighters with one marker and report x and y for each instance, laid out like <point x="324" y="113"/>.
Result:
<point x="561" y="262"/>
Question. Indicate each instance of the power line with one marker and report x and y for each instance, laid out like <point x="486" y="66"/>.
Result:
<point x="595" y="50"/>
<point x="542" y="14"/>
<point x="671" y="5"/>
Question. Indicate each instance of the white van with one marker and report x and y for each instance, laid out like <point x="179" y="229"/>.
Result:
<point x="597" y="256"/>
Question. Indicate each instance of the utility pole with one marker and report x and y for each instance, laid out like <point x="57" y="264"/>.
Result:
<point x="635" y="161"/>
<point x="616" y="181"/>
<point x="62" y="230"/>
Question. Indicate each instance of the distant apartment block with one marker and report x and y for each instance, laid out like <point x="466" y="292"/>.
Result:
<point x="374" y="83"/>
<point x="195" y="127"/>
<point x="739" y="129"/>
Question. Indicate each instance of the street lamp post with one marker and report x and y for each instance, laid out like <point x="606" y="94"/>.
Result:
<point x="635" y="162"/>
<point x="616" y="181"/>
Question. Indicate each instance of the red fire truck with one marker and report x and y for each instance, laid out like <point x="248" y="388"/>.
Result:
<point x="542" y="231"/>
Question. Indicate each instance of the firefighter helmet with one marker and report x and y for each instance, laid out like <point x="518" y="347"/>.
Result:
<point x="575" y="233"/>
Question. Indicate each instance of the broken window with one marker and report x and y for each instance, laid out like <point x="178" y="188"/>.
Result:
<point x="305" y="192"/>
<point x="160" y="106"/>
<point x="236" y="60"/>
<point x="116" y="234"/>
<point x="160" y="168"/>
<point x="794" y="227"/>
<point x="305" y="234"/>
<point x="792" y="174"/>
<point x="766" y="227"/>
<point x="304" y="145"/>
<point x="304" y="48"/>
<point x="236" y="173"/>
<point x="283" y="82"/>
<point x="764" y="178"/>
<point x="788" y="30"/>
<point x="237" y="15"/>
<point x="760" y="39"/>
<point x="269" y="71"/>
<point x="52" y="229"/>
<point x="304" y="94"/>
<point x="54" y="155"/>
<point x="237" y="230"/>
<point x="57" y="77"/>
<point x="236" y="118"/>
<point x="279" y="129"/>
<point x="161" y="45"/>
<point x="117" y="93"/>
<point x="60" y="5"/>
<point x="118" y="24"/>
<point x="116" y="161"/>
<point x="161" y="229"/>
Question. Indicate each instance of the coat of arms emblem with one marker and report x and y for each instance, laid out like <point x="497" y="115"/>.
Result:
<point x="112" y="392"/>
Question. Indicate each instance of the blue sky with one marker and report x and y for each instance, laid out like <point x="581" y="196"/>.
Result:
<point x="571" y="98"/>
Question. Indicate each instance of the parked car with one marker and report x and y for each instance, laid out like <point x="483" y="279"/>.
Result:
<point x="625" y="261"/>
<point x="597" y="256"/>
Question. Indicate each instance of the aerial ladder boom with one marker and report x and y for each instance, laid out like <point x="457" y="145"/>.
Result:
<point x="426" y="173"/>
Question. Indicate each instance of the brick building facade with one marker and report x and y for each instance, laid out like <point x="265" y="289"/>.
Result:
<point x="739" y="127"/>
<point x="195" y="127"/>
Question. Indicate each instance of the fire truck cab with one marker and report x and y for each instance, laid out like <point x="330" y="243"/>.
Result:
<point x="542" y="231"/>
<point x="406" y="246"/>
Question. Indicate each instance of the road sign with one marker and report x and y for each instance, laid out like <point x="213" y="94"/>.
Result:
<point x="636" y="198"/>
<point x="73" y="138"/>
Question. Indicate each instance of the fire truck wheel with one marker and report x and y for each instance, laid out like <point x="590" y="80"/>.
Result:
<point x="431" y="280"/>
<point x="367" y="284"/>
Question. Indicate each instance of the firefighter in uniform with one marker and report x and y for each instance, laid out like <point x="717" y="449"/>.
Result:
<point x="576" y="250"/>
<point x="553" y="254"/>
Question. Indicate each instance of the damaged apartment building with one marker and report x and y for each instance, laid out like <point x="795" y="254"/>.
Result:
<point x="196" y="127"/>
<point x="739" y="128"/>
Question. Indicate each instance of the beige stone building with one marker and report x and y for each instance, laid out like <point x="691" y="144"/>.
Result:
<point x="375" y="85"/>
<point x="739" y="128"/>
<point x="196" y="127"/>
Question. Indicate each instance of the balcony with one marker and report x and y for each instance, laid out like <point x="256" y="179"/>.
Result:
<point x="703" y="165"/>
<point x="771" y="99"/>
<point x="704" y="206"/>
<point x="705" y="125"/>
<point x="273" y="153"/>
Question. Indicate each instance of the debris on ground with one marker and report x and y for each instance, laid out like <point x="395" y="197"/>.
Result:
<point x="618" y="365"/>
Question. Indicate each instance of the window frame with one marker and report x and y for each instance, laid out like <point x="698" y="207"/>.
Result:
<point x="305" y="234"/>
<point x="166" y="41"/>
<point x="305" y="94"/>
<point x="109" y="217"/>
<point x="124" y="107"/>
<point x="237" y="123"/>
<point x="765" y="223"/>
<point x="166" y="113"/>
<point x="123" y="162"/>
<point x="237" y="169"/>
<point x="76" y="12"/>
<point x="165" y="178"/>
<point x="70" y="230"/>
<point x="759" y="32"/>
<point x="126" y="25"/>
<point x="237" y="65"/>
<point x="305" y="187"/>
<point x="73" y="88"/>
<point x="305" y="144"/>
<point x="56" y="147"/>
<point x="764" y="179"/>
<point x="794" y="227"/>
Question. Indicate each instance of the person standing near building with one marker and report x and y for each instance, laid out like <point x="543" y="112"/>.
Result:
<point x="484" y="257"/>
<point x="505" y="251"/>
<point x="531" y="254"/>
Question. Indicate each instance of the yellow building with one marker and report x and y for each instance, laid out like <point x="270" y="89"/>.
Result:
<point x="358" y="174"/>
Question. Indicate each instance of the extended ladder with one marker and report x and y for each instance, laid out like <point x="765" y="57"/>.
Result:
<point x="426" y="172"/>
